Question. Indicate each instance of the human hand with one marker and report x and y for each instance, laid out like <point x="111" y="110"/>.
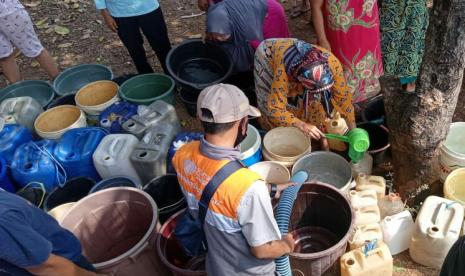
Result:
<point x="290" y="242"/>
<point x="325" y="44"/>
<point x="203" y="5"/>
<point x="281" y="187"/>
<point x="110" y="22"/>
<point x="311" y="130"/>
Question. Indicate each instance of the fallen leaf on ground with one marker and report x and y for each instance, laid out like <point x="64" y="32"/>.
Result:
<point x="34" y="64"/>
<point x="101" y="38"/>
<point x="99" y="21"/>
<point x="65" y="45"/>
<point x="61" y="30"/>
<point x="398" y="269"/>
<point x="41" y="22"/>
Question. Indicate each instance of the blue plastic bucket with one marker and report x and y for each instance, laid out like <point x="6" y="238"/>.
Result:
<point x="120" y="181"/>
<point x="251" y="147"/>
<point x="5" y="181"/>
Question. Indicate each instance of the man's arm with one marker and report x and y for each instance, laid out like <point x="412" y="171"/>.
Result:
<point x="56" y="265"/>
<point x="274" y="249"/>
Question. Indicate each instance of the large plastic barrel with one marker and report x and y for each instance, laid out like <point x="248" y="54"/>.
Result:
<point x="41" y="91"/>
<point x="117" y="229"/>
<point x="321" y="222"/>
<point x="172" y="255"/>
<point x="72" y="191"/>
<point x="147" y="88"/>
<point x="166" y="192"/>
<point x="74" y="78"/>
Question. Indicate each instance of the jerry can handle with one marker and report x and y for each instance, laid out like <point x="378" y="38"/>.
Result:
<point x="113" y="146"/>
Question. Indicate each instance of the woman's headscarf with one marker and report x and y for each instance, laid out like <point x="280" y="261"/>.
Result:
<point x="243" y="20"/>
<point x="309" y="65"/>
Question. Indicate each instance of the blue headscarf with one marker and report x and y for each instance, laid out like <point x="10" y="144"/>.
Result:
<point x="243" y="21"/>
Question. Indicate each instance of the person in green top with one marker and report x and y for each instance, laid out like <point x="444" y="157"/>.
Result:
<point x="128" y="18"/>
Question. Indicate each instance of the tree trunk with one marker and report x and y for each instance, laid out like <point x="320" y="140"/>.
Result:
<point x="419" y="123"/>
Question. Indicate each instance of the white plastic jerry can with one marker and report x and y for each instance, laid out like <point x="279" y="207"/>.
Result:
<point x="371" y="182"/>
<point x="148" y="116"/>
<point x="336" y="125"/>
<point x="367" y="215"/>
<point x="112" y="156"/>
<point x="21" y="110"/>
<point x="366" y="233"/>
<point x="436" y="229"/>
<point x="390" y="205"/>
<point x="359" y="199"/>
<point x="397" y="231"/>
<point x="376" y="262"/>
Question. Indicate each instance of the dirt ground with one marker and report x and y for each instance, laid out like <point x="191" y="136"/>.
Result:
<point x="74" y="33"/>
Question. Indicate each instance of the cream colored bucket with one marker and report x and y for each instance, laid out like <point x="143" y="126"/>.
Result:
<point x="96" y="96"/>
<point x="272" y="172"/>
<point x="285" y="145"/>
<point x="53" y="123"/>
<point x="454" y="187"/>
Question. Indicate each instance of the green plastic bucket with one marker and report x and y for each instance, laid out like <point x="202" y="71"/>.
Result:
<point x="76" y="77"/>
<point x="147" y="88"/>
<point x="39" y="90"/>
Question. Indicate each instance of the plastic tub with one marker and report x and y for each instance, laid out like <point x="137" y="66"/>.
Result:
<point x="379" y="141"/>
<point x="117" y="229"/>
<point x="72" y="191"/>
<point x="285" y="145"/>
<point x="41" y="91"/>
<point x="166" y="192"/>
<point x="172" y="255"/>
<point x="63" y="100"/>
<point x="147" y="88"/>
<point x="326" y="167"/>
<point x="119" y="181"/>
<point x="251" y="152"/>
<point x="454" y="187"/>
<point x="96" y="96"/>
<point x="74" y="78"/>
<point x="53" y="123"/>
<point x="452" y="155"/>
<point x="374" y="111"/>
<point x="196" y="65"/>
<point x="320" y="238"/>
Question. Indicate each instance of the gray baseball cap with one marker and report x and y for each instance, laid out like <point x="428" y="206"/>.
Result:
<point x="226" y="102"/>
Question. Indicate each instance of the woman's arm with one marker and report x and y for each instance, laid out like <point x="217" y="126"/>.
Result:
<point x="319" y="23"/>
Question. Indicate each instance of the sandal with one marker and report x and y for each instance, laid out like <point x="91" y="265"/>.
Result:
<point x="405" y="91"/>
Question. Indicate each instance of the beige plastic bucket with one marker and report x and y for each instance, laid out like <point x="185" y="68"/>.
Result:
<point x="285" y="145"/>
<point x="60" y="210"/>
<point x="117" y="228"/>
<point x="271" y="172"/>
<point x="452" y="153"/>
<point x="454" y="186"/>
<point x="96" y="96"/>
<point x="53" y="123"/>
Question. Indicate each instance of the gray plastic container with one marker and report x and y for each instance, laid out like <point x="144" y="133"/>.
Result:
<point x="158" y="111"/>
<point x="149" y="156"/>
<point x="21" y="110"/>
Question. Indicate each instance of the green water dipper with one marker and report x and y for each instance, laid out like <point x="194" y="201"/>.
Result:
<point x="358" y="140"/>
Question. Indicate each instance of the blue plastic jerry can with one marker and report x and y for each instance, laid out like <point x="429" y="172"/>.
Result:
<point x="113" y="117"/>
<point x="33" y="162"/>
<point x="11" y="137"/>
<point x="75" y="149"/>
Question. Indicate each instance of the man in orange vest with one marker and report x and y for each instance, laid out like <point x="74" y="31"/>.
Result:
<point x="241" y="232"/>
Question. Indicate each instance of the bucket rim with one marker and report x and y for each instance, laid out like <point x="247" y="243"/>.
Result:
<point x="45" y="204"/>
<point x="446" y="148"/>
<point x="97" y="106"/>
<point x="290" y="159"/>
<point x="10" y="88"/>
<point x="58" y="79"/>
<point x="132" y="179"/>
<point x="82" y="114"/>
<point x="274" y="163"/>
<point x="141" y="243"/>
<point x="199" y="87"/>
<point x="343" y="241"/>
<point x="142" y="101"/>
<point x="256" y="145"/>
<point x="448" y="191"/>
<point x="161" y="252"/>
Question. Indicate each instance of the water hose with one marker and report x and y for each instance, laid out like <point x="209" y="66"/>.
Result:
<point x="283" y="214"/>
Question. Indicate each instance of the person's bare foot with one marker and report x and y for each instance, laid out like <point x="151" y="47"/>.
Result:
<point x="409" y="88"/>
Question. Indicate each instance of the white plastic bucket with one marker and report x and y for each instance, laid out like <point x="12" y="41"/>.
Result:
<point x="272" y="172"/>
<point x="454" y="186"/>
<point x="251" y="152"/>
<point x="96" y="97"/>
<point x="53" y="123"/>
<point x="452" y="154"/>
<point x="285" y="145"/>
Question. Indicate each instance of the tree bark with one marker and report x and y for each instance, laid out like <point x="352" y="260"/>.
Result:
<point x="419" y="123"/>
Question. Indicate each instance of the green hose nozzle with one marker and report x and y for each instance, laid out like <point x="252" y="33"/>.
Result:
<point x="358" y="140"/>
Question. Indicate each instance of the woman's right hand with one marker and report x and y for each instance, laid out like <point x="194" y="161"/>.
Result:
<point x="310" y="130"/>
<point x="111" y="23"/>
<point x="203" y="5"/>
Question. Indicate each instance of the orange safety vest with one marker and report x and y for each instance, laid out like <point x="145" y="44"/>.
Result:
<point x="195" y="170"/>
